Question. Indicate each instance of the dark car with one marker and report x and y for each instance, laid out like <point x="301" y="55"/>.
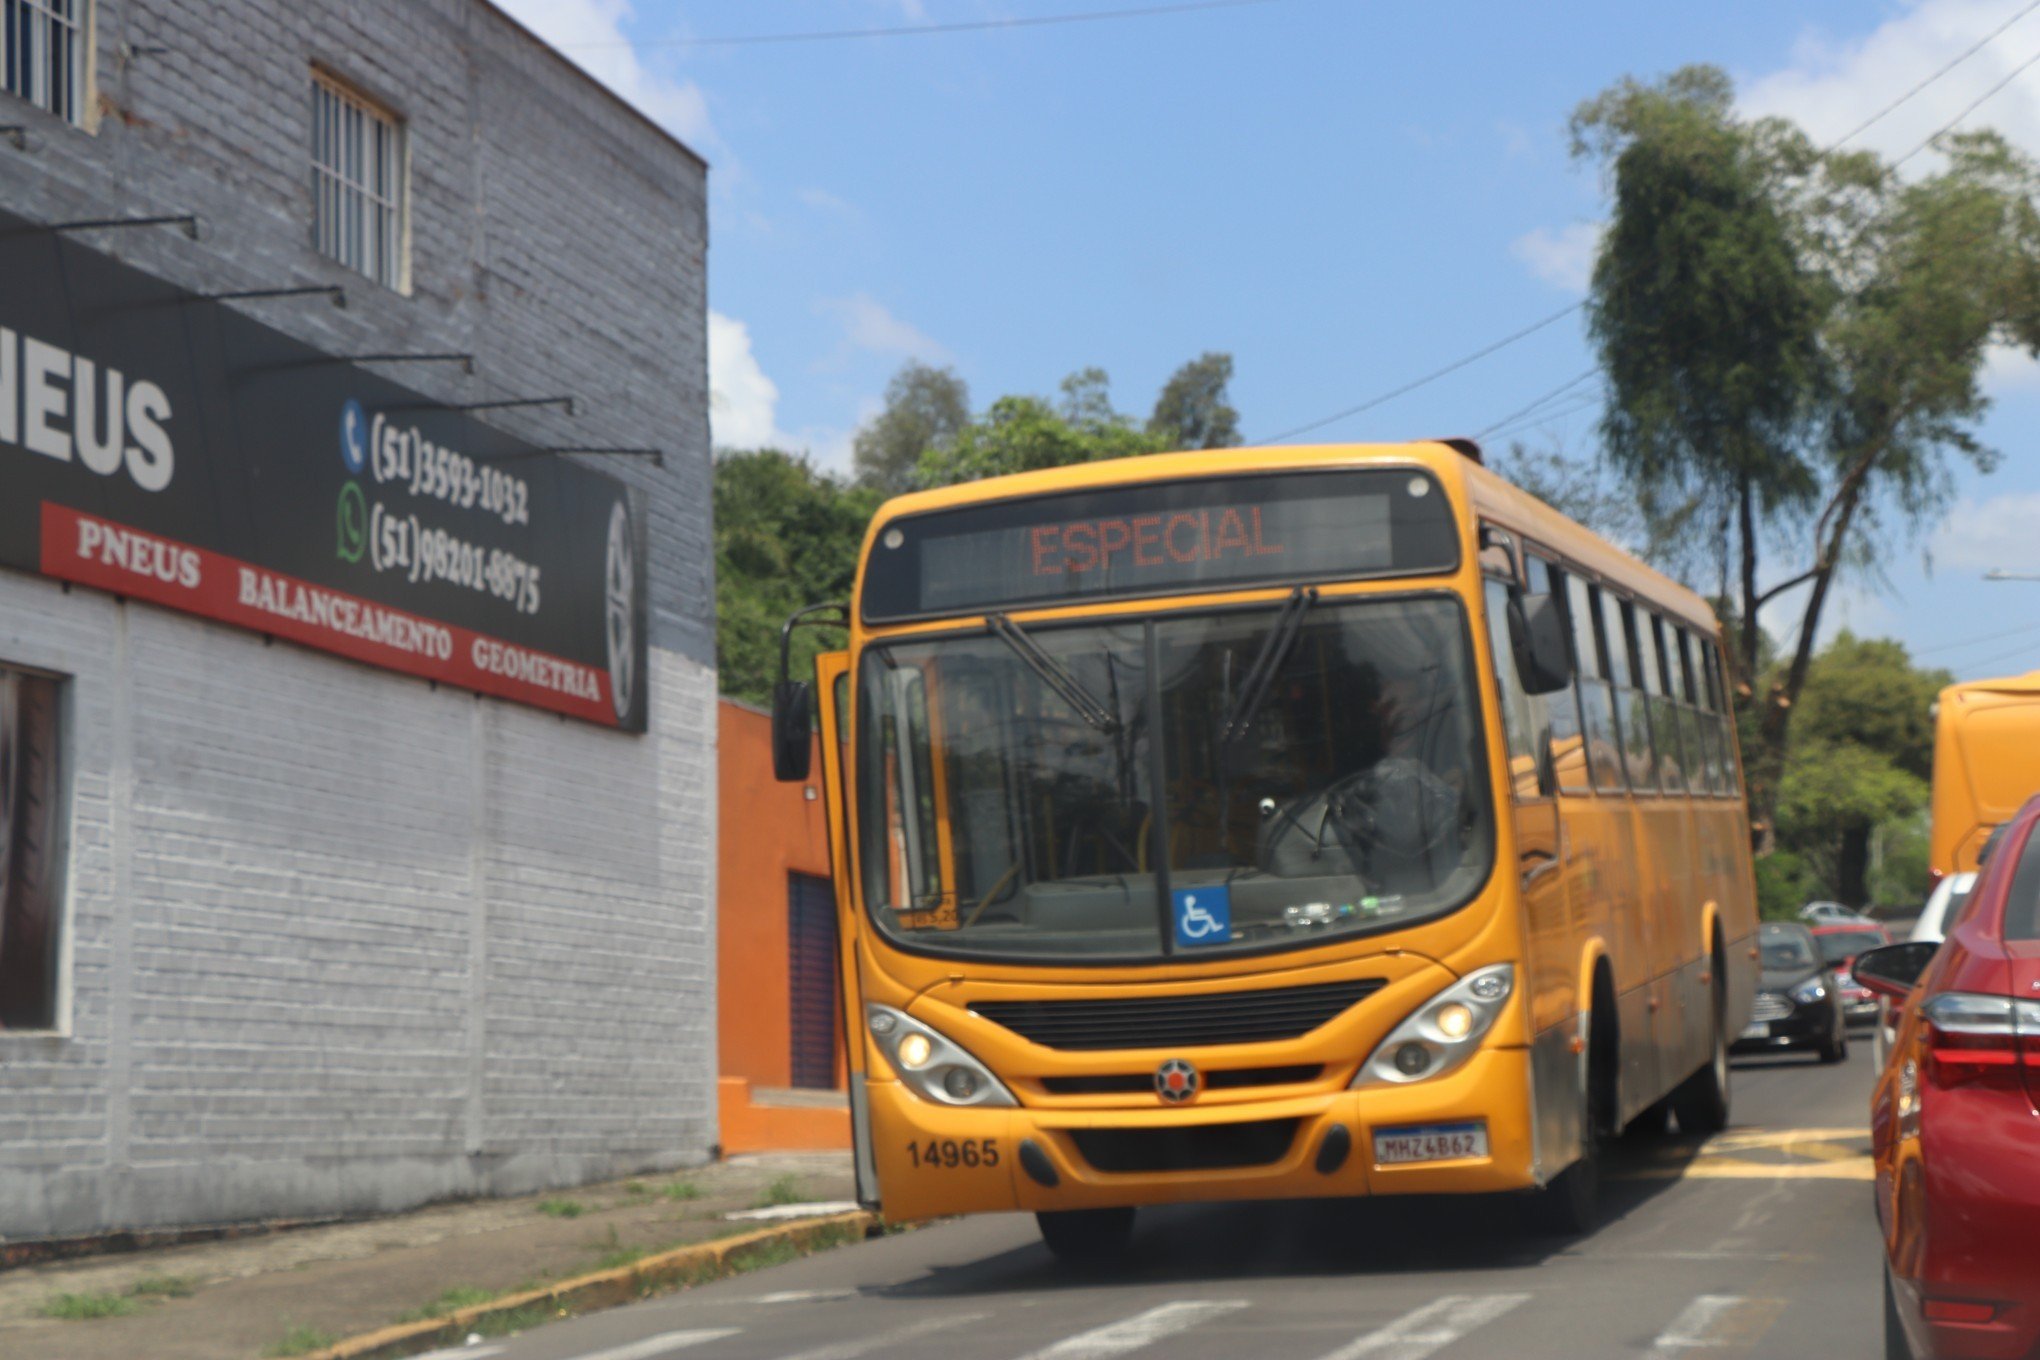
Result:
<point x="1798" y="1004"/>
<point x="1839" y="945"/>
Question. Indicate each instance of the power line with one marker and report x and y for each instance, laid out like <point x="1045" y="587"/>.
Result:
<point x="1972" y="642"/>
<point x="1553" y="394"/>
<point x="1980" y="44"/>
<point x="1978" y="103"/>
<point x="1836" y="145"/>
<point x="1430" y="377"/>
<point x="923" y="30"/>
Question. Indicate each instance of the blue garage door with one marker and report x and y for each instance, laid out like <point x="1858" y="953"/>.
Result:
<point x="811" y="978"/>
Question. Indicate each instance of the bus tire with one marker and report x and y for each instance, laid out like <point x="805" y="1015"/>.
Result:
<point x="1086" y="1236"/>
<point x="1701" y="1101"/>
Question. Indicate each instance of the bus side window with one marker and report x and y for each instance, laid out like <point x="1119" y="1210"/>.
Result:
<point x="1694" y="724"/>
<point x="1632" y="704"/>
<point x="1674" y="726"/>
<point x="1597" y="694"/>
<point x="1561" y="711"/>
<point x="1724" y="720"/>
<point x="1517" y="723"/>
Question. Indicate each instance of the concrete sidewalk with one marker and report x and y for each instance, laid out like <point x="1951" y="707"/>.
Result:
<point x="295" y="1292"/>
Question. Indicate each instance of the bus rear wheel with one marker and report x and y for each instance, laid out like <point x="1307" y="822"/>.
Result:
<point x="1086" y="1236"/>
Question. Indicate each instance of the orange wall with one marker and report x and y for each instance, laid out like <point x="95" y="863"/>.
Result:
<point x="766" y="830"/>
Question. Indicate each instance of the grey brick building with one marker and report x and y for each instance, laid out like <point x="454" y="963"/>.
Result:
<point x="325" y="937"/>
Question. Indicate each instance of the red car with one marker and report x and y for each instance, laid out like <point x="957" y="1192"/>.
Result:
<point x="1839" y="945"/>
<point x="1955" y="1121"/>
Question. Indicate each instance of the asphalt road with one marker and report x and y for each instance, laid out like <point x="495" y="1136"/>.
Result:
<point x="1760" y="1243"/>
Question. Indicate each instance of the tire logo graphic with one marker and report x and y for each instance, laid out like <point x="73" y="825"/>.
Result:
<point x="620" y="610"/>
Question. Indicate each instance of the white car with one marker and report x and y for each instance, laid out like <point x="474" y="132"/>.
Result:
<point x="1830" y="914"/>
<point x="1946" y="899"/>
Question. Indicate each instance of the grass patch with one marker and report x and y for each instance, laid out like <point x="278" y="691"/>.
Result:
<point x="85" y="1307"/>
<point x="680" y="1190"/>
<point x="161" y="1287"/>
<point x="562" y="1208"/>
<point x="302" y="1340"/>
<point x="636" y="1189"/>
<point x="449" y="1301"/>
<point x="518" y="1319"/>
<point x="785" y="1190"/>
<point x="613" y="1255"/>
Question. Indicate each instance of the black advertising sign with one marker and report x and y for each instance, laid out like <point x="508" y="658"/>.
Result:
<point x="1149" y="538"/>
<point x="172" y="449"/>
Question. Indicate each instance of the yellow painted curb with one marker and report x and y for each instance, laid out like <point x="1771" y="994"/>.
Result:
<point x="695" y="1263"/>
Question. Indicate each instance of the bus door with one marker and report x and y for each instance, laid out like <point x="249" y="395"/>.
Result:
<point x="832" y="706"/>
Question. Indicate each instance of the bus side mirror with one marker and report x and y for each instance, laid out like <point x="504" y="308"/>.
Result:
<point x="1537" y="636"/>
<point x="793" y="703"/>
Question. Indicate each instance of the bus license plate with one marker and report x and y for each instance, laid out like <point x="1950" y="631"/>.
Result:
<point x="1429" y="1143"/>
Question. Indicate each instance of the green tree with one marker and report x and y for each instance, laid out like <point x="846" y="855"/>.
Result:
<point x="925" y="408"/>
<point x="1860" y="760"/>
<point x="1792" y="341"/>
<point x="1025" y="434"/>
<point x="1193" y="411"/>
<point x="785" y="536"/>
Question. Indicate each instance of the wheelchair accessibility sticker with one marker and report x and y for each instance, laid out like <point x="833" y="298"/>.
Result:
<point x="1203" y="915"/>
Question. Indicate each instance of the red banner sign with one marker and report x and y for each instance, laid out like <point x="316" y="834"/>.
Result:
<point x="128" y="561"/>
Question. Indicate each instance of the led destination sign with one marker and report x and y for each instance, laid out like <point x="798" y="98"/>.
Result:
<point x="1203" y="534"/>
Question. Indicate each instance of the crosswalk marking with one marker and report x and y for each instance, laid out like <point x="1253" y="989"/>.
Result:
<point x="1716" y="1320"/>
<point x="462" y="1353"/>
<point x="652" y="1347"/>
<point x="1430" y="1329"/>
<point x="802" y="1296"/>
<point x="865" y="1345"/>
<point x="1142" y="1329"/>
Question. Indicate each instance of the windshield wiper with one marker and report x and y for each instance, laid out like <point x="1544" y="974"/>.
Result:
<point x="1261" y="675"/>
<point x="1054" y="674"/>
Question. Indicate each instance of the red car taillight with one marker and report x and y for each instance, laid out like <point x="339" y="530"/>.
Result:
<point x="1973" y="1038"/>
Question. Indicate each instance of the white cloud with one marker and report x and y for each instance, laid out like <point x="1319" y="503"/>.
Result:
<point x="2006" y="368"/>
<point x="743" y="403"/>
<point x="1516" y="139"/>
<point x="821" y="200"/>
<point x="1831" y="87"/>
<point x="1563" y="258"/>
<point x="1997" y="531"/>
<point x="870" y="327"/>
<point x="590" y="33"/>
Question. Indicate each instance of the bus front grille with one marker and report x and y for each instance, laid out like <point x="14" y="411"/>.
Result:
<point x="1771" y="1006"/>
<point x="1196" y="1147"/>
<point x="1189" y="1021"/>
<point x="1143" y="1083"/>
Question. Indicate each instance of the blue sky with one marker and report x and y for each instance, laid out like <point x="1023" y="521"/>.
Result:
<point x="1344" y="194"/>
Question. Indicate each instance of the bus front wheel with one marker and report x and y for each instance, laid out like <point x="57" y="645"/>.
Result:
<point x="1086" y="1236"/>
<point x="1701" y="1101"/>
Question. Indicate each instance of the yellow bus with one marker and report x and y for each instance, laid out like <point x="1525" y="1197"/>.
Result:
<point x="1986" y="764"/>
<point x="1270" y="823"/>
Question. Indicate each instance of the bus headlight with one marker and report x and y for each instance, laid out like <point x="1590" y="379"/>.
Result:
<point x="930" y="1065"/>
<point x="1443" y="1032"/>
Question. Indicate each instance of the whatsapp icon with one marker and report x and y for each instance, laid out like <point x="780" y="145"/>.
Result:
<point x="353" y="523"/>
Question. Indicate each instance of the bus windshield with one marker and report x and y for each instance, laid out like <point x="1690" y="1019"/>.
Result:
<point x="1300" y="770"/>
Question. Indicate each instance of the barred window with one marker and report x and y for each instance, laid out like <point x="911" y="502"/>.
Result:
<point x="357" y="182"/>
<point x="32" y="827"/>
<point x="42" y="54"/>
